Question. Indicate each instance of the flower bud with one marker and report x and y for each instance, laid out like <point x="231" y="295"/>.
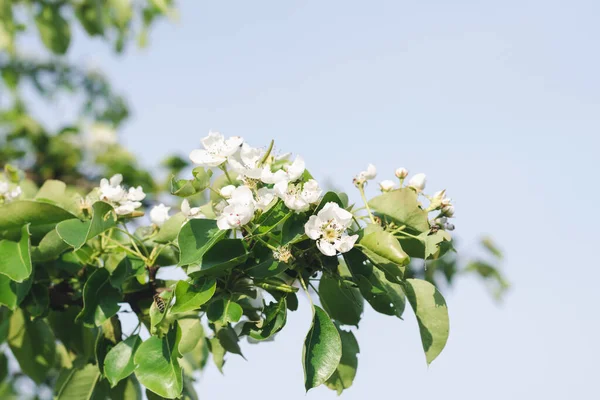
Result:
<point x="401" y="173"/>
<point x="386" y="185"/>
<point x="440" y="221"/>
<point x="448" y="211"/>
<point x="227" y="191"/>
<point x="449" y="227"/>
<point x="418" y="182"/>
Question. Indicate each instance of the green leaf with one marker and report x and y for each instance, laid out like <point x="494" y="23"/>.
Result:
<point x="76" y="338"/>
<point x="218" y="352"/>
<point x="50" y="248"/>
<point x="191" y="296"/>
<point x="224" y="310"/>
<point x="13" y="293"/>
<point x="3" y="367"/>
<point x="19" y="213"/>
<point x="189" y="332"/>
<point x="100" y="299"/>
<point x="322" y="350"/>
<point x="79" y="383"/>
<point x="195" y="238"/>
<point x="432" y="315"/>
<point x="341" y="301"/>
<point x="127" y="389"/>
<point x="228" y="339"/>
<point x="157" y="367"/>
<point x="37" y="301"/>
<point x="262" y="264"/>
<point x="402" y="206"/>
<point x="328" y="198"/>
<point x="222" y="256"/>
<point x="384" y="296"/>
<point x="159" y="309"/>
<point x="33" y="345"/>
<point x="344" y="375"/>
<point x="384" y="250"/>
<point x="15" y="261"/>
<point x="54" y="192"/>
<point x="53" y="28"/>
<point x="275" y="319"/>
<point x="169" y="231"/>
<point x="293" y="229"/>
<point x="76" y="232"/>
<point x="89" y="14"/>
<point x="118" y="363"/>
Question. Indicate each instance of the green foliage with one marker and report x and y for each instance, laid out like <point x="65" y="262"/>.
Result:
<point x="322" y="350"/>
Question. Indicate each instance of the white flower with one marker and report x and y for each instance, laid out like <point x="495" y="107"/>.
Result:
<point x="239" y="211"/>
<point x="7" y="194"/>
<point x="298" y="197"/>
<point x="365" y="176"/>
<point x="291" y="173"/>
<point x="418" y="182"/>
<point x="448" y="211"/>
<point x="264" y="197"/>
<point x="226" y="191"/>
<point x="102" y="135"/>
<point x="136" y="194"/>
<point x="216" y="150"/>
<point x="159" y="214"/>
<point x="127" y="207"/>
<point x="246" y="162"/>
<point x="111" y="190"/>
<point x="401" y="173"/>
<point x="191" y="212"/>
<point x="328" y="228"/>
<point x="386" y="185"/>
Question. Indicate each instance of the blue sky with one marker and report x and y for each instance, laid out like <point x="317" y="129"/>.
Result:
<point x="498" y="102"/>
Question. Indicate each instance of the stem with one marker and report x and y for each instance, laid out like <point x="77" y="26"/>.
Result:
<point x="306" y="290"/>
<point x="267" y="154"/>
<point x="224" y="169"/>
<point x="127" y="249"/>
<point x="265" y="243"/>
<point x="361" y="189"/>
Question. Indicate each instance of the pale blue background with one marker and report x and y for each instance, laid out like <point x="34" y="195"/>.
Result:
<point x="499" y="102"/>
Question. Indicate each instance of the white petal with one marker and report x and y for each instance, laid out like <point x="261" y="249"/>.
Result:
<point x="214" y="139"/>
<point x="222" y="222"/>
<point x="227" y="191"/>
<point x="345" y="243"/>
<point x="418" y="181"/>
<point x="312" y="228"/>
<point x="296" y="169"/>
<point x="116" y="180"/>
<point x="326" y="248"/>
<point x="204" y="158"/>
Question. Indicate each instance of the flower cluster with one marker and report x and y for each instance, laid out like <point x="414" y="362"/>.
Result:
<point x="9" y="192"/>
<point x="124" y="201"/>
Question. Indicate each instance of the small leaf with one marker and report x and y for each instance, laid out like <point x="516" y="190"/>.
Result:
<point x="13" y="293"/>
<point x="76" y="232"/>
<point x="402" y="206"/>
<point x="343" y="377"/>
<point x="169" y="231"/>
<point x="50" y="248"/>
<point x="159" y="309"/>
<point x="224" y="310"/>
<point x="19" y="213"/>
<point x="189" y="332"/>
<point x="322" y="350"/>
<point x="100" y="299"/>
<point x="157" y="367"/>
<point x="191" y="296"/>
<point x="275" y="319"/>
<point x="384" y="250"/>
<point x="432" y="315"/>
<point x="15" y="261"/>
<point x="118" y="363"/>
<point x="195" y="238"/>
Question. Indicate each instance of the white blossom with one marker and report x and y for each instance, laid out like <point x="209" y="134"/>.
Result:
<point x="9" y="194"/>
<point x="264" y="197"/>
<point x="401" y="173"/>
<point x="290" y="173"/>
<point x="246" y="162"/>
<point x="226" y="191"/>
<point x="111" y="190"/>
<point x="239" y="211"/>
<point x="159" y="214"/>
<point x="418" y="182"/>
<point x="191" y="212"/>
<point x="298" y="197"/>
<point x="386" y="185"/>
<point x="136" y="194"/>
<point x="101" y="136"/>
<point x="127" y="207"/>
<point x="365" y="176"/>
<point x="328" y="228"/>
<point x="448" y="210"/>
<point x="216" y="150"/>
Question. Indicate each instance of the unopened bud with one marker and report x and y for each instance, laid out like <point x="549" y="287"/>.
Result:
<point x="418" y="182"/>
<point x="401" y="173"/>
<point x="449" y="227"/>
<point x="448" y="211"/>
<point x="386" y="185"/>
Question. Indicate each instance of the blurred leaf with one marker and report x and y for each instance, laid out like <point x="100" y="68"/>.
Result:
<point x="343" y="377"/>
<point x="15" y="261"/>
<point x="53" y="28"/>
<point x="79" y="384"/>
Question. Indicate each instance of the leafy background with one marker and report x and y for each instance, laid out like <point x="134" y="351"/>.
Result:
<point x="497" y="102"/>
